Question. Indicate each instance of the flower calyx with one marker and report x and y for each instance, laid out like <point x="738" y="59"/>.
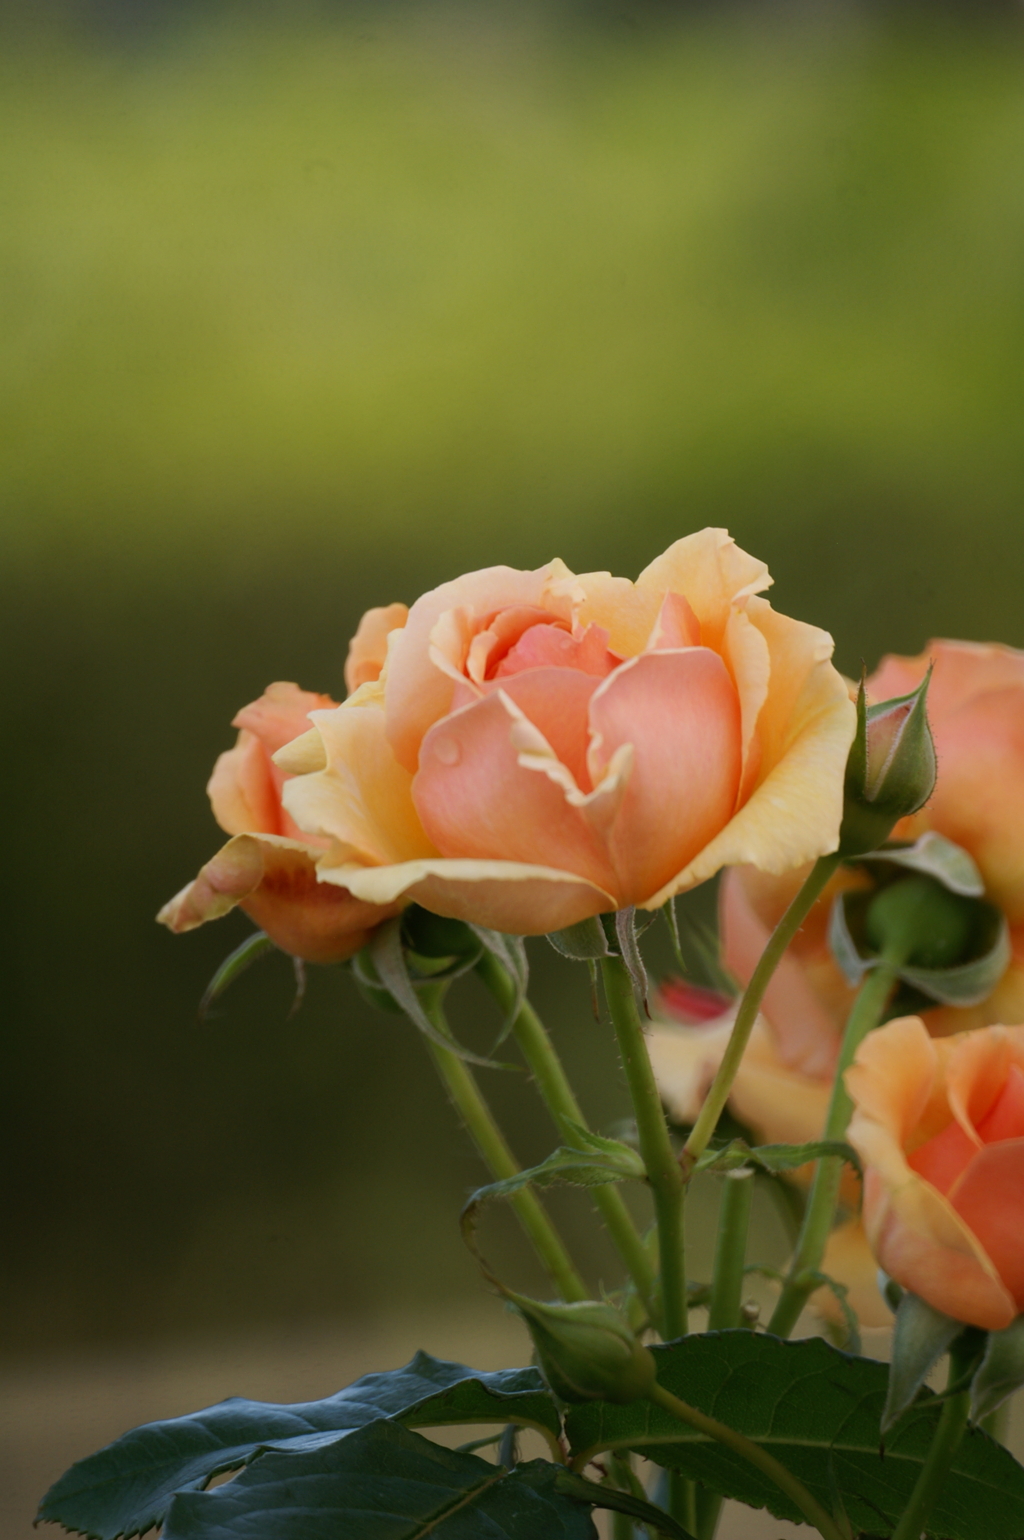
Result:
<point x="946" y="947"/>
<point x="587" y="1350"/>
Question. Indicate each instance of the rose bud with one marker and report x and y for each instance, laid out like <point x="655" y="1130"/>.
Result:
<point x="586" y="1350"/>
<point x="268" y="868"/>
<point x="891" y="769"/>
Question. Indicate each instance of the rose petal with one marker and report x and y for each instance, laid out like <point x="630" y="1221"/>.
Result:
<point x="676" y="626"/>
<point x="363" y="798"/>
<point x="477" y="801"/>
<point x="275" y="882"/>
<point x="989" y="1197"/>
<point x="418" y="692"/>
<point x="712" y="573"/>
<point x="369" y="647"/>
<point x="280" y="714"/>
<point x="550" y="646"/>
<point x="245" y="787"/>
<point x="1005" y="1118"/>
<point x="977" y="801"/>
<point x="922" y="1242"/>
<point x="629" y="614"/>
<point x="557" y="702"/>
<point x="806" y="726"/>
<point x="962" y="671"/>
<point x="243" y="790"/>
<point x="679" y="712"/>
<point x="518" y="899"/>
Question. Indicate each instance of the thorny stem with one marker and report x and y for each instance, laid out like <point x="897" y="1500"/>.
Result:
<point x="468" y="1100"/>
<point x="945" y="1441"/>
<point x="750" y="1004"/>
<point x="557" y="1094"/>
<point x="663" y="1171"/>
<point x="802" y="1275"/>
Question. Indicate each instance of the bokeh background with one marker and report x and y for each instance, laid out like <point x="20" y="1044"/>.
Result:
<point x="309" y="308"/>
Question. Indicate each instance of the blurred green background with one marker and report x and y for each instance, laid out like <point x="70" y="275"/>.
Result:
<point x="308" y="309"/>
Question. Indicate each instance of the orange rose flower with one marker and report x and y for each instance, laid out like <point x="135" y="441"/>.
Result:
<point x="541" y="747"/>
<point x="269" y="867"/>
<point x="939" y="1125"/>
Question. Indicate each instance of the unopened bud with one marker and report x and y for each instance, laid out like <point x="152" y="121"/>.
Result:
<point x="922" y="923"/>
<point x="890" y="771"/>
<point x="586" y="1350"/>
<point x="431" y="935"/>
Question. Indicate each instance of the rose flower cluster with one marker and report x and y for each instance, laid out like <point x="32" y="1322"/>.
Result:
<point x="525" y="750"/>
<point x="976" y="712"/>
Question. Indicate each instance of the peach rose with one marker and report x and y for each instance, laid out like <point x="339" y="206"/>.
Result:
<point x="541" y="747"/>
<point x="939" y="1125"/>
<point x="268" y="868"/>
<point x="976" y="710"/>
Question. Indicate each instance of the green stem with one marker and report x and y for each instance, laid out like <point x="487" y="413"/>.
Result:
<point x="801" y="1282"/>
<point x="731" y="1251"/>
<point x="794" y="1489"/>
<point x="557" y="1094"/>
<point x="490" y="1141"/>
<point x="945" y="1441"/>
<point x="659" y="1158"/>
<point x="664" y="1176"/>
<point x="726" y="1299"/>
<point x="782" y="935"/>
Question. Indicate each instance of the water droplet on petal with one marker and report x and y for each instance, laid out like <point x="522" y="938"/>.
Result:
<point x="447" y="751"/>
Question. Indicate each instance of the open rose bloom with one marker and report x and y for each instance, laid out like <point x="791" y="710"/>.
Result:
<point x="939" y="1125"/>
<point x="268" y="867"/>
<point x="540" y="747"/>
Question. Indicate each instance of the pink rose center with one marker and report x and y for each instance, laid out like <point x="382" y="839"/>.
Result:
<point x="553" y="645"/>
<point x="943" y="1159"/>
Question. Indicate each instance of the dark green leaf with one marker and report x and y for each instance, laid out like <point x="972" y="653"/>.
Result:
<point x="125" y="1488"/>
<point x="773" y="1159"/>
<point x="383" y="1483"/>
<point x="808" y="1404"/>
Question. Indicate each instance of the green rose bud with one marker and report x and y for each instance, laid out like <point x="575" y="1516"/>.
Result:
<point x="890" y="771"/>
<point x="922" y="923"/>
<point x="587" y="1351"/>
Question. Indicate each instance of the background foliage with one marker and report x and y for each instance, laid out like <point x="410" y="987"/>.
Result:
<point x="307" y="310"/>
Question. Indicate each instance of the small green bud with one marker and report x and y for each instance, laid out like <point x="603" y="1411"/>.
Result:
<point x="922" y="923"/>
<point x="587" y="1351"/>
<point x="890" y="771"/>
<point x="431" y="935"/>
